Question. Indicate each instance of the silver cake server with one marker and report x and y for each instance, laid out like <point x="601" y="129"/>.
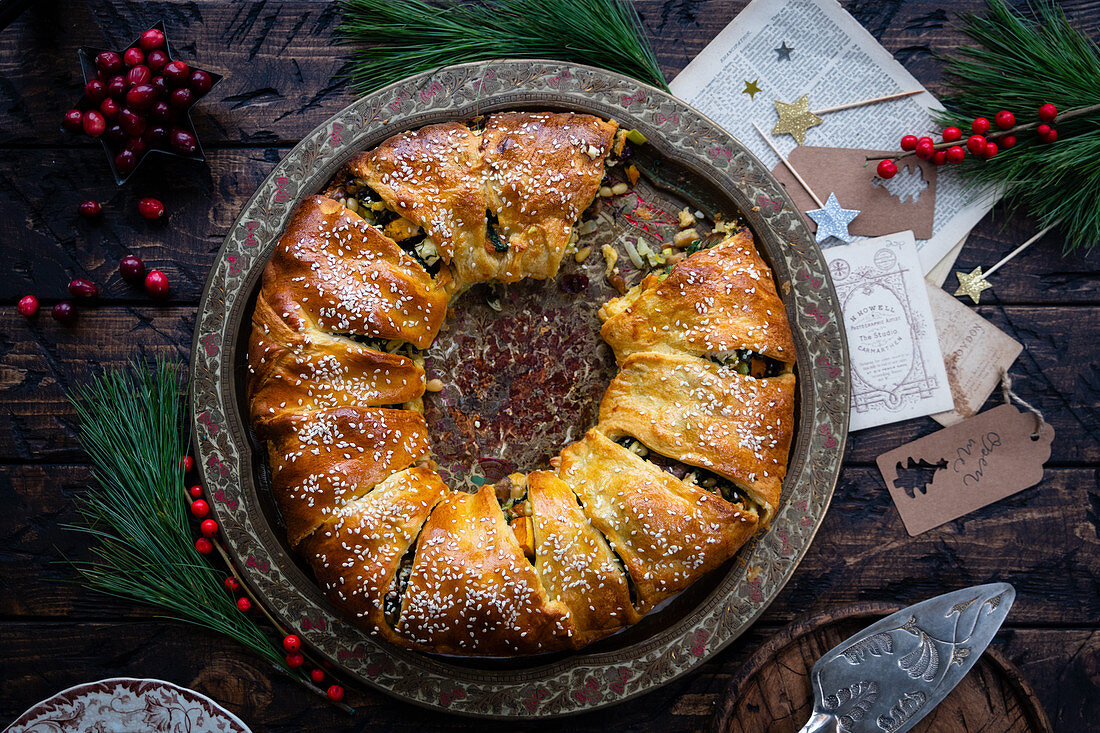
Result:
<point x="890" y="675"/>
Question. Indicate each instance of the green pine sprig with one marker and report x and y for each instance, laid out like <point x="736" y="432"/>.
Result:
<point x="136" y="518"/>
<point x="411" y="36"/>
<point x="1019" y="64"/>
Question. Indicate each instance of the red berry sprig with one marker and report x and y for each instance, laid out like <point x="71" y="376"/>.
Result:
<point x="985" y="142"/>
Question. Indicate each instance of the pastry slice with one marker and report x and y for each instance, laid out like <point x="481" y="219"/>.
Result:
<point x="575" y="562"/>
<point x="472" y="589"/>
<point x="714" y="302"/>
<point x="699" y="413"/>
<point x="362" y="555"/>
<point x="542" y="171"/>
<point x="348" y="277"/>
<point x="667" y="533"/>
<point x="322" y="460"/>
<point x="433" y="177"/>
<point x="308" y="370"/>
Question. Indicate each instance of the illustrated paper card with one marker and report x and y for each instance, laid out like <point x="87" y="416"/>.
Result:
<point x="897" y="367"/>
<point x="975" y="354"/>
<point x="956" y="470"/>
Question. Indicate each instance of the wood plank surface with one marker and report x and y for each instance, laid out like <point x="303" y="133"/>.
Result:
<point x="281" y="70"/>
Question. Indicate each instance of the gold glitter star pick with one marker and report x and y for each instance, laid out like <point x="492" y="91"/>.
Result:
<point x="795" y="119"/>
<point x="972" y="284"/>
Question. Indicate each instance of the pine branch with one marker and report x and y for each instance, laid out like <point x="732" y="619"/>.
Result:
<point x="142" y="547"/>
<point x="1020" y="64"/>
<point x="411" y="36"/>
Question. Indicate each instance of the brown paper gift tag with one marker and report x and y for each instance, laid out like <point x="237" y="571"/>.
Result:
<point x="847" y="173"/>
<point x="974" y="463"/>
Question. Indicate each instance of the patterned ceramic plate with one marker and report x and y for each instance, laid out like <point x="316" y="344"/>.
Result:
<point x="127" y="704"/>
<point x="689" y="161"/>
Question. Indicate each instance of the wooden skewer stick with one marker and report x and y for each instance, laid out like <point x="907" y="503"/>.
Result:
<point x="1019" y="249"/>
<point x="863" y="102"/>
<point x="790" y="167"/>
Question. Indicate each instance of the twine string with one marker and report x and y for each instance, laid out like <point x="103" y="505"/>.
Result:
<point x="1010" y="397"/>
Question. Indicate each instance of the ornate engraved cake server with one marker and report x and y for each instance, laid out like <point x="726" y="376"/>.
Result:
<point x="890" y="675"/>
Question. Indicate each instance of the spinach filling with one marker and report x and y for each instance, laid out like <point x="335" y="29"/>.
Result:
<point x="693" y="475"/>
<point x="750" y="363"/>
<point x="491" y="226"/>
<point x="391" y="603"/>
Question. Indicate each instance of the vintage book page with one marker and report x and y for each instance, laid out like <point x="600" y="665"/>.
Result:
<point x="835" y="60"/>
<point x="897" y="367"/>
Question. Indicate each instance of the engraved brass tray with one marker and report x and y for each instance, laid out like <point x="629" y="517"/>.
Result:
<point x="542" y="348"/>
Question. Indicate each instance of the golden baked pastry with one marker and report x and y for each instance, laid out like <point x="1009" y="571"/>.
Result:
<point x="685" y="464"/>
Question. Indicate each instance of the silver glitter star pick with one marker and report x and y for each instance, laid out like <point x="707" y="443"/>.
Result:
<point x="832" y="220"/>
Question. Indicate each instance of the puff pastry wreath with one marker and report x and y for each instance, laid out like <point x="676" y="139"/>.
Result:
<point x="687" y="459"/>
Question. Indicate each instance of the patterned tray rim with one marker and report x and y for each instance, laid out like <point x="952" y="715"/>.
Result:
<point x="583" y="681"/>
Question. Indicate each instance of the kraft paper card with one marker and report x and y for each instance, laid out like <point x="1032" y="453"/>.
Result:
<point x="906" y="201"/>
<point x="897" y="367"/>
<point x="959" y="469"/>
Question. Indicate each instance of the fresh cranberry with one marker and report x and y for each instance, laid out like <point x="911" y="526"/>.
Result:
<point x="317" y="675"/>
<point x="95" y="91"/>
<point x="109" y="61"/>
<point x="976" y="145"/>
<point x="951" y="134"/>
<point x="156" y="284"/>
<point x="991" y="150"/>
<point x="63" y="312"/>
<point x="201" y="82"/>
<point x="93" y="123"/>
<point x="1007" y="141"/>
<point x="294" y="660"/>
<point x="939" y="157"/>
<point x="979" y="126"/>
<point x="886" y="169"/>
<point x="182" y="141"/>
<point x="925" y="149"/>
<point x="152" y="38"/>
<point x="139" y="74"/>
<point x="116" y="88"/>
<point x="125" y="162"/>
<point x="132" y="269"/>
<point x="133" y="57"/>
<point x="156" y="135"/>
<point x="161" y="85"/>
<point x="150" y="209"/>
<point x="109" y="108"/>
<point x="156" y="60"/>
<point x="137" y="146"/>
<point x="181" y="98"/>
<point x="1048" y="112"/>
<point x="160" y="111"/>
<point x="955" y="154"/>
<point x="103" y="76"/>
<point x="132" y="122"/>
<point x="28" y="306"/>
<point x="141" y="97"/>
<point x="115" y="135"/>
<point x="177" y="72"/>
<point x="81" y="288"/>
<point x="90" y="209"/>
<point x="73" y="120"/>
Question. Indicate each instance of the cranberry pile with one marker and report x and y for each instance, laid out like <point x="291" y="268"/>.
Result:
<point x="137" y="101"/>
<point x="984" y="142"/>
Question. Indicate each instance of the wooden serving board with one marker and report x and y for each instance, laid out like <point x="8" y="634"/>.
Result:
<point x="772" y="692"/>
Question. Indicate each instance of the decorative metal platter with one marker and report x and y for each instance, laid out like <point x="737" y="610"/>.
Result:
<point x="526" y="381"/>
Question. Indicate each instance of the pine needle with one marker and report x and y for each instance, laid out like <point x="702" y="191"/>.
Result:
<point x="411" y="36"/>
<point x="137" y="518"/>
<point x="1020" y="64"/>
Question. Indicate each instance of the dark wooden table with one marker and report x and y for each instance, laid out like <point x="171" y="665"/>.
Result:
<point x="280" y="65"/>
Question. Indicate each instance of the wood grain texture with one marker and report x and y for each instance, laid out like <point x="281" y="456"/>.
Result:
<point x="773" y="693"/>
<point x="279" y="59"/>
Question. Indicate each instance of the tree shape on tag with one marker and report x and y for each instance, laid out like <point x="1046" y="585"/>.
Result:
<point x="917" y="475"/>
<point x="907" y="185"/>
